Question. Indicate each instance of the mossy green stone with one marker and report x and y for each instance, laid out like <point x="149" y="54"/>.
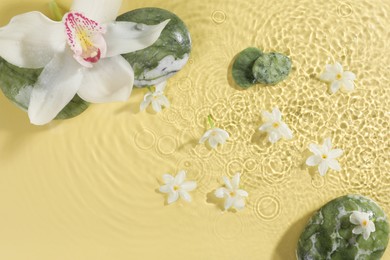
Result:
<point x="271" y="68"/>
<point x="242" y="67"/>
<point x="328" y="235"/>
<point x="15" y="81"/>
<point x="167" y="55"/>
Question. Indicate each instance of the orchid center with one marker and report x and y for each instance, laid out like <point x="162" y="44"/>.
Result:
<point x="85" y="38"/>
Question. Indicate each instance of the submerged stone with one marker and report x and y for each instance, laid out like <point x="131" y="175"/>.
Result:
<point x="167" y="55"/>
<point x="242" y="67"/>
<point x="271" y="68"/>
<point x="328" y="234"/>
<point x="17" y="84"/>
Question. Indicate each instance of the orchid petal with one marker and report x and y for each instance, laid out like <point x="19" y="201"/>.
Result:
<point x="313" y="160"/>
<point x="242" y="193"/>
<point x="220" y="192"/>
<point x="323" y="168"/>
<point x="205" y="136"/>
<point x="334" y="165"/>
<point x="315" y="149"/>
<point x="99" y="10"/>
<point x="160" y="87"/>
<point x="180" y="177"/>
<point x="227" y="182"/>
<point x="277" y="115"/>
<point x="165" y="188"/>
<point x="189" y="186"/>
<point x="31" y="40"/>
<point x="348" y="85"/>
<point x="239" y="203"/>
<point x="213" y="142"/>
<point x="156" y="106"/>
<point x="335" y="86"/>
<point x="109" y="80"/>
<point x="185" y="195"/>
<point x="236" y="181"/>
<point x="125" y="37"/>
<point x="229" y="203"/>
<point x="55" y="88"/>
<point x="274" y="137"/>
<point x="285" y="131"/>
<point x="167" y="178"/>
<point x="172" y="197"/>
<point x="328" y="76"/>
<point x="335" y="153"/>
<point x="349" y="75"/>
<point x="146" y="102"/>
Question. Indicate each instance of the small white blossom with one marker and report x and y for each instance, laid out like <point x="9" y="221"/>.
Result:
<point x="156" y="98"/>
<point x="274" y="126"/>
<point x="215" y="136"/>
<point x="338" y="77"/>
<point x="324" y="156"/>
<point x="233" y="195"/>
<point x="177" y="187"/>
<point x="364" y="225"/>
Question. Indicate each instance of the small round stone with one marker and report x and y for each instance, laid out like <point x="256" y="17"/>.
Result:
<point x="271" y="68"/>
<point x="242" y="67"/>
<point x="328" y="234"/>
<point x="167" y="55"/>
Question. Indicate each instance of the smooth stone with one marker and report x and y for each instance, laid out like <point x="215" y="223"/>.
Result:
<point x="17" y="84"/>
<point x="167" y="55"/>
<point x="328" y="234"/>
<point x="271" y="68"/>
<point x="242" y="67"/>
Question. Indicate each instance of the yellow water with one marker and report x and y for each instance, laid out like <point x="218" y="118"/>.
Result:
<point x="85" y="189"/>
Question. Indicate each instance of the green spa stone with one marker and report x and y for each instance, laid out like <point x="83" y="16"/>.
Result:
<point x="167" y="55"/>
<point x="16" y="84"/>
<point x="328" y="234"/>
<point x="271" y="68"/>
<point x="242" y="67"/>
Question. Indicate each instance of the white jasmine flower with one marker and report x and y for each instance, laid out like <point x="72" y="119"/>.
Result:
<point x="80" y="55"/>
<point x="215" y="136"/>
<point x="176" y="187"/>
<point x="338" y="77"/>
<point x="324" y="156"/>
<point x="156" y="98"/>
<point x="364" y="225"/>
<point x="274" y="126"/>
<point x="233" y="195"/>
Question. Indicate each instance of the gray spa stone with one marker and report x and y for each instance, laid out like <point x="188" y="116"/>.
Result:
<point x="271" y="68"/>
<point x="242" y="67"/>
<point x="167" y="55"/>
<point x="328" y="234"/>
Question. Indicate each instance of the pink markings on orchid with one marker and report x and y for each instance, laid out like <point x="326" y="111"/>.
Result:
<point x="85" y="38"/>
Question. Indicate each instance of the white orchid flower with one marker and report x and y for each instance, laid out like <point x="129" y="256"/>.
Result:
<point x="156" y="98"/>
<point x="324" y="156"/>
<point x="338" y="77"/>
<point x="364" y="225"/>
<point x="233" y="195"/>
<point x="177" y="187"/>
<point x="274" y="126"/>
<point x="80" y="55"/>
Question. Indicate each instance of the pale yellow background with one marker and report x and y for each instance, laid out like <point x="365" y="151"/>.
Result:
<point x="85" y="189"/>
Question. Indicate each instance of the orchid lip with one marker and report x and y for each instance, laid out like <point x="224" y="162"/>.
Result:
<point x="85" y="38"/>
